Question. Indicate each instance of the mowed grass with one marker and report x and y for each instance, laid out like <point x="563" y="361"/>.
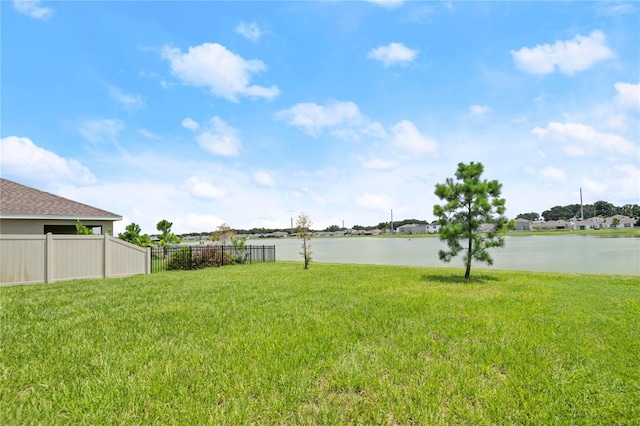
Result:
<point x="336" y="344"/>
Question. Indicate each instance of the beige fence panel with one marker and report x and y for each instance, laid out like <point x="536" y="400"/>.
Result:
<point x="22" y="259"/>
<point x="48" y="258"/>
<point x="125" y="259"/>
<point x="77" y="256"/>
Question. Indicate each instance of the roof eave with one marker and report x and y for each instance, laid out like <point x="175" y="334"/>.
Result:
<point x="58" y="217"/>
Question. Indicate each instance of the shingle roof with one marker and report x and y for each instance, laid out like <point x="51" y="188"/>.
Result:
<point x="23" y="202"/>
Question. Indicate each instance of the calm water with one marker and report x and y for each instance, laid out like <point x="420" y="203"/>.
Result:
<point x="559" y="253"/>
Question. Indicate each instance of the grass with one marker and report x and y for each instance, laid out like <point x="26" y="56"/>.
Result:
<point x="336" y="344"/>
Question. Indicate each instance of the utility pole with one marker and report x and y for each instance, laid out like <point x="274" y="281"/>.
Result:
<point x="392" y="221"/>
<point x="581" y="209"/>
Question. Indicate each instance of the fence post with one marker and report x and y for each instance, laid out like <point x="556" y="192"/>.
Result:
<point x="48" y="259"/>
<point x="106" y="258"/>
<point x="147" y="266"/>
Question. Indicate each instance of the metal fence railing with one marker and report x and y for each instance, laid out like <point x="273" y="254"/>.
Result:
<point x="186" y="257"/>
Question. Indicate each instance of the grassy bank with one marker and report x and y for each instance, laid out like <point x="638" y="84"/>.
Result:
<point x="274" y="344"/>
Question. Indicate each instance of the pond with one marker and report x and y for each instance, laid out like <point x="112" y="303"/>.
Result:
<point x="552" y="253"/>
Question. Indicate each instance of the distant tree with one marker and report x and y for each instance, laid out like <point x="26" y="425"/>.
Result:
<point x="303" y="229"/>
<point x="529" y="216"/>
<point x="133" y="234"/>
<point x="604" y="209"/>
<point x="82" y="230"/>
<point x="557" y="213"/>
<point x="166" y="237"/>
<point x="629" y="210"/>
<point x="615" y="222"/>
<point x="223" y="234"/>
<point x="470" y="202"/>
<point x="332" y="228"/>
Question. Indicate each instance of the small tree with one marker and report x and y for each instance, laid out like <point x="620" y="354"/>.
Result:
<point x="223" y="234"/>
<point x="132" y="234"/>
<point x="303" y="229"/>
<point x="469" y="203"/>
<point x="82" y="230"/>
<point x="166" y="237"/>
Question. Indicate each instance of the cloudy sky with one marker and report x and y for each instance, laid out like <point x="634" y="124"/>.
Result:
<point x="250" y="113"/>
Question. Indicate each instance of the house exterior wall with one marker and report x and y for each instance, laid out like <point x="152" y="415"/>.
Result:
<point x="523" y="225"/>
<point x="49" y="258"/>
<point x="412" y="229"/>
<point x="37" y="226"/>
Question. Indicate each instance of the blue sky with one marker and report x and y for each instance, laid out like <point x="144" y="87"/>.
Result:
<point x="249" y="113"/>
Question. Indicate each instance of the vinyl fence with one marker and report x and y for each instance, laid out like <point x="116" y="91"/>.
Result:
<point x="187" y="257"/>
<point x="26" y="259"/>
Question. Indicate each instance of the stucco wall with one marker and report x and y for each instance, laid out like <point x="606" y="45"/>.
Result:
<point x="36" y="226"/>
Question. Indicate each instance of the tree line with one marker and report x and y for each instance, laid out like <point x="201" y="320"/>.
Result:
<point x="597" y="209"/>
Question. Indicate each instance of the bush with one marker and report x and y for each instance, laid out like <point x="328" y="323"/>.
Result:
<point x="200" y="257"/>
<point x="181" y="259"/>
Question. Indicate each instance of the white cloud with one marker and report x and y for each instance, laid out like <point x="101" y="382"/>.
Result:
<point x="551" y="174"/>
<point x="126" y="99"/>
<point x="628" y="95"/>
<point x="407" y="137"/>
<point x="387" y="4"/>
<point x="620" y="182"/>
<point x="374" y="130"/>
<point x="587" y="138"/>
<point x="263" y="178"/>
<point x="374" y="201"/>
<point x="21" y="157"/>
<point x="250" y="31"/>
<point x="33" y="9"/>
<point x="313" y="118"/>
<point x="190" y="124"/>
<point x="220" y="138"/>
<point x="202" y="189"/>
<point x="568" y="57"/>
<point x="149" y="135"/>
<point x="224" y="73"/>
<point x="393" y="54"/>
<point x="379" y="164"/>
<point x="100" y="131"/>
<point x="199" y="222"/>
<point x="479" y="109"/>
<point x="615" y="8"/>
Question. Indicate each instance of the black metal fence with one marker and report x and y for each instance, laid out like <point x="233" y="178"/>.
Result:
<point x="205" y="256"/>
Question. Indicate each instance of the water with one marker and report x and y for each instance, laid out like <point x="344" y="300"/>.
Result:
<point x="552" y="253"/>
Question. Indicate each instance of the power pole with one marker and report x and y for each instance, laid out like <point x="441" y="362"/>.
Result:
<point x="392" y="221"/>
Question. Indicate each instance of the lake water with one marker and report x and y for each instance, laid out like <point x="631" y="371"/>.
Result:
<point x="553" y="253"/>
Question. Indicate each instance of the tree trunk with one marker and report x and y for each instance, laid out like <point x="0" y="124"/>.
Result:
<point x="467" y="274"/>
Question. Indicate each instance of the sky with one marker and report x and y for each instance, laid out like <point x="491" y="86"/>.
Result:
<point x="250" y="113"/>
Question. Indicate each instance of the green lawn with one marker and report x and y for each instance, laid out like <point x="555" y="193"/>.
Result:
<point x="336" y="344"/>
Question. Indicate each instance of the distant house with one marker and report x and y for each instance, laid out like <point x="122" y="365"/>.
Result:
<point x="26" y="210"/>
<point x="623" y="222"/>
<point x="587" y="224"/>
<point x="486" y="227"/>
<point x="413" y="228"/>
<point x="549" y="225"/>
<point x="433" y="227"/>
<point x="523" y="224"/>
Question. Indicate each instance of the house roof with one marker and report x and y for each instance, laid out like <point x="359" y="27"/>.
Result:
<point x="23" y="202"/>
<point x="621" y="218"/>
